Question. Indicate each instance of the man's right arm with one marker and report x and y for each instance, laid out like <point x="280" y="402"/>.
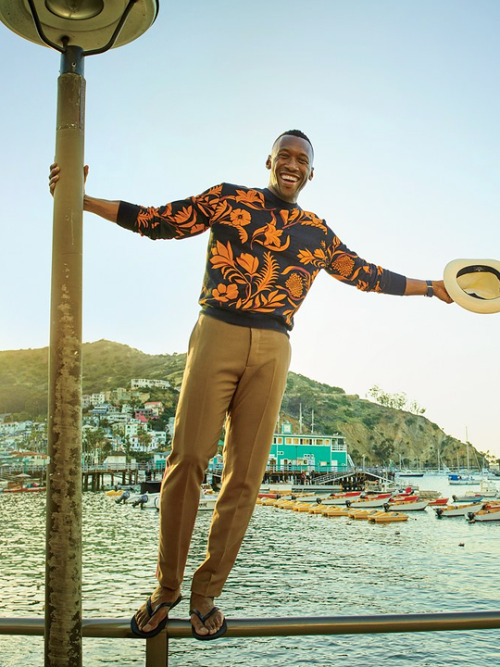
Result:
<point x="102" y="207"/>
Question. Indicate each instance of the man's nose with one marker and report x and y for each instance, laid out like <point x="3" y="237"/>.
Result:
<point x="292" y="163"/>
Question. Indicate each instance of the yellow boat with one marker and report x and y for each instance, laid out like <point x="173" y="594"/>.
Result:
<point x="364" y="514"/>
<point x="335" y="511"/>
<point x="301" y="507"/>
<point x="284" y="504"/>
<point x="267" y="501"/>
<point x="316" y="509"/>
<point x="388" y="517"/>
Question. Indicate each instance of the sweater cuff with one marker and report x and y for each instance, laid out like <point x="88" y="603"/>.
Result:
<point x="127" y="215"/>
<point x="393" y="283"/>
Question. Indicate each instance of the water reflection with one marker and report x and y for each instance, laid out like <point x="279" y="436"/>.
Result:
<point x="290" y="565"/>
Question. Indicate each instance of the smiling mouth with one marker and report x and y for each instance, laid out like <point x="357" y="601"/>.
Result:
<point x="288" y="178"/>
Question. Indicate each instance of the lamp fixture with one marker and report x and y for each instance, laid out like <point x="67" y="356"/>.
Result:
<point x="93" y="25"/>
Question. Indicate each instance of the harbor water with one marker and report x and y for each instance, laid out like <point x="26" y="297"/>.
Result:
<point x="290" y="564"/>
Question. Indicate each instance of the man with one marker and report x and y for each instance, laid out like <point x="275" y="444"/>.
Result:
<point x="264" y="253"/>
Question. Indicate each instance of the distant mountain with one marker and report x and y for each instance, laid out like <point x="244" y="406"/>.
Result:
<point x="379" y="433"/>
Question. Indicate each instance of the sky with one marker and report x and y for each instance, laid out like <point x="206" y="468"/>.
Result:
<point x="401" y="101"/>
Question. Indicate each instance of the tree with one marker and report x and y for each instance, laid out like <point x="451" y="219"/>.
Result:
<point x="383" y="450"/>
<point x="395" y="401"/>
<point x="144" y="439"/>
<point x="93" y="442"/>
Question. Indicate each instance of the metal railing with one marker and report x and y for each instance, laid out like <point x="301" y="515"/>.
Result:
<point x="157" y="648"/>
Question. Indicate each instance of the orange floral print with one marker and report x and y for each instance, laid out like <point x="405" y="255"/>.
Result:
<point x="343" y="265"/>
<point x="262" y="257"/>
<point x="225" y="293"/>
<point x="248" y="263"/>
<point x="240" y="217"/>
<point x="270" y="237"/>
<point x="295" y="285"/>
<point x="250" y="197"/>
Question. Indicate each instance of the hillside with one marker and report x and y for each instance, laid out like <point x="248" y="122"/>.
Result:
<point x="379" y="433"/>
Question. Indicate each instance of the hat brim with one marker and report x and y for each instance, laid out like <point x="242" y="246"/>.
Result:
<point x="474" y="284"/>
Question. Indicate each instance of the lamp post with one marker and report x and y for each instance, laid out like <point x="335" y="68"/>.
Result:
<point x="75" y="28"/>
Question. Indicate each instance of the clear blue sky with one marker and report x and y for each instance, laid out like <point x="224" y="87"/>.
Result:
<point x="401" y="101"/>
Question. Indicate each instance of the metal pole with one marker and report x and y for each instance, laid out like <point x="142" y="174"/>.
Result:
<point x="63" y="607"/>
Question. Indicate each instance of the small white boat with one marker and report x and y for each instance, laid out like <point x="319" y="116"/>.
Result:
<point x="456" y="478"/>
<point x="408" y="505"/>
<point x="152" y="501"/>
<point x="375" y="501"/>
<point x="457" y="510"/>
<point x="488" y="489"/>
<point x="305" y="497"/>
<point x="488" y="513"/>
<point x="207" y="502"/>
<point x="409" y="473"/>
<point x="341" y="498"/>
<point x="468" y="497"/>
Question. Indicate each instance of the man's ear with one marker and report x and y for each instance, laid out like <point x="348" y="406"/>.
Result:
<point x="268" y="162"/>
<point x="311" y="174"/>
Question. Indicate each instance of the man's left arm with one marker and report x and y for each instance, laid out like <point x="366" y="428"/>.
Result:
<point x="349" y="267"/>
<point x="436" y="288"/>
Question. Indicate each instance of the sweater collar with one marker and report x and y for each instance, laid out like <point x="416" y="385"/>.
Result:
<point x="271" y="197"/>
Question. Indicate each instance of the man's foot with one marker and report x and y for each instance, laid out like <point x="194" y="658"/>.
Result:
<point x="152" y="616"/>
<point x="208" y="622"/>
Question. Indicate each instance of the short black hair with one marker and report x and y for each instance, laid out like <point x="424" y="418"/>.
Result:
<point x="295" y="133"/>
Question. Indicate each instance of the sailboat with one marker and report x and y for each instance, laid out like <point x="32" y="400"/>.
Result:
<point x="465" y="477"/>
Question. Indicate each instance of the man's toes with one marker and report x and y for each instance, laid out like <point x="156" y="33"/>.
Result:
<point x="141" y="617"/>
<point x="214" y="623"/>
<point x="156" y="619"/>
<point x="198" y="626"/>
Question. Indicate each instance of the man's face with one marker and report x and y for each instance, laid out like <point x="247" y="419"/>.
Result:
<point x="291" y="167"/>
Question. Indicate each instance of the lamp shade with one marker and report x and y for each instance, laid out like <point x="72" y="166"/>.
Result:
<point x="88" y="24"/>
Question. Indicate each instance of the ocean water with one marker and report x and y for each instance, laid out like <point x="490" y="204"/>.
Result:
<point x="290" y="564"/>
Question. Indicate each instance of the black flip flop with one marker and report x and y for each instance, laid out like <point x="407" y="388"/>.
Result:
<point x="161" y="625"/>
<point x="221" y="631"/>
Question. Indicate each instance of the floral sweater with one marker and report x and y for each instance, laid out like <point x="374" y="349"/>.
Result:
<point x="263" y="253"/>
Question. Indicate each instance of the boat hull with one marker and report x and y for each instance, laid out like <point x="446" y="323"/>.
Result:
<point x="457" y="510"/>
<point x="484" y="515"/>
<point x="408" y="506"/>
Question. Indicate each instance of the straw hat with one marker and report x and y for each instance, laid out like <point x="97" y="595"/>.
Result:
<point x="474" y="284"/>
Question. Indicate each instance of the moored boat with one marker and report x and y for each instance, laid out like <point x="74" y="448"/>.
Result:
<point x="23" y="489"/>
<point x="488" y="489"/>
<point x="438" y="502"/>
<point x="467" y="497"/>
<point x="370" y="501"/>
<point x="455" y="479"/>
<point x="360" y="515"/>
<point x="335" y="511"/>
<point x="408" y="505"/>
<point x="488" y="513"/>
<point x="457" y="510"/>
<point x="388" y="517"/>
<point x="341" y="498"/>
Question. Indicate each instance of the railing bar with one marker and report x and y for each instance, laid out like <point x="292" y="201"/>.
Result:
<point x="253" y="627"/>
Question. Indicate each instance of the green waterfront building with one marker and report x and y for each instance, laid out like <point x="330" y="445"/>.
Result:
<point x="305" y="452"/>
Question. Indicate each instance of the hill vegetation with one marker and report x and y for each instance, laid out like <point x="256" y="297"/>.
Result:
<point x="377" y="433"/>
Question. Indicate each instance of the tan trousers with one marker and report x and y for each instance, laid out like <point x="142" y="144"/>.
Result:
<point x="237" y="374"/>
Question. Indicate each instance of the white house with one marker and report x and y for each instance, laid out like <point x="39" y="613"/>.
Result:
<point x="149" y="384"/>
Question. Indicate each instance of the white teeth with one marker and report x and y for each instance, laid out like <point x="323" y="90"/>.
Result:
<point x="291" y="179"/>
